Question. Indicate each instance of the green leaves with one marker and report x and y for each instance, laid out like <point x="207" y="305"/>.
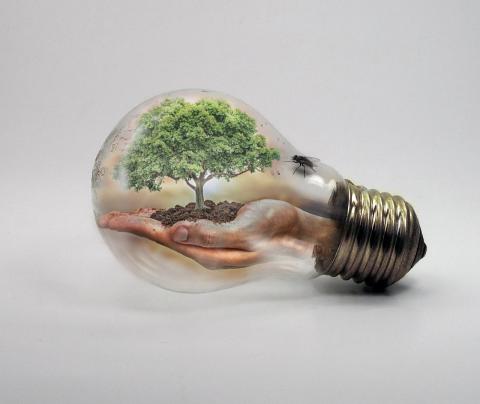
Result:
<point x="194" y="142"/>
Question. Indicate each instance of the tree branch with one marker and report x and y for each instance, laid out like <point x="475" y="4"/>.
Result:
<point x="190" y="185"/>
<point x="236" y="175"/>
<point x="210" y="176"/>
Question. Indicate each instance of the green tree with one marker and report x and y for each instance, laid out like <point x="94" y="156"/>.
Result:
<point x="194" y="142"/>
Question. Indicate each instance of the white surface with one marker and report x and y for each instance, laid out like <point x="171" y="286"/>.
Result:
<point x="388" y="94"/>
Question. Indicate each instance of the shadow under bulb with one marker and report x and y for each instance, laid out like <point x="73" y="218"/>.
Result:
<point x="195" y="191"/>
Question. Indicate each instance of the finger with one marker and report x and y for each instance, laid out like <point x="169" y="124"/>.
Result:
<point x="204" y="233"/>
<point x="218" y="258"/>
<point x="147" y="212"/>
<point x="139" y="225"/>
<point x="104" y="219"/>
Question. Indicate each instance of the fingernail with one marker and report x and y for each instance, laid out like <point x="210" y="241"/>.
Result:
<point x="181" y="234"/>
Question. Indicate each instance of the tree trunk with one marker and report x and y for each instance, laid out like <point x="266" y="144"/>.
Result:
<point x="199" y="200"/>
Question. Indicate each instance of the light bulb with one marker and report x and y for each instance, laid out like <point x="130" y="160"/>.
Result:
<point x="195" y="191"/>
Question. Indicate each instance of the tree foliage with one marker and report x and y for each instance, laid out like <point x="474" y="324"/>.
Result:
<point x="194" y="142"/>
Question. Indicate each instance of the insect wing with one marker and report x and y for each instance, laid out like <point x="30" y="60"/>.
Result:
<point x="314" y="160"/>
<point x="311" y="162"/>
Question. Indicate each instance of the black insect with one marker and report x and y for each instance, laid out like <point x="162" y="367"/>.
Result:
<point x="307" y="163"/>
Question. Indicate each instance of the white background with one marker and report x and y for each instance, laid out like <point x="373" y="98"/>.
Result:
<point x="386" y="92"/>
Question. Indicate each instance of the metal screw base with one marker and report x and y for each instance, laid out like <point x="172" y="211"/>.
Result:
<point x="381" y="238"/>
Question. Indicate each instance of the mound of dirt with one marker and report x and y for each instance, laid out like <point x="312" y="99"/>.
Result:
<point x="221" y="212"/>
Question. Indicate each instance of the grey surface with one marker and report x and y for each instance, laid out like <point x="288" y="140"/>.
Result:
<point x="386" y="92"/>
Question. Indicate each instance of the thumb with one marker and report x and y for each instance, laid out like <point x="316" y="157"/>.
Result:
<point x="204" y="233"/>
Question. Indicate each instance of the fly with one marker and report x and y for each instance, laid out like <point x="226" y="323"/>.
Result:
<point x="307" y="163"/>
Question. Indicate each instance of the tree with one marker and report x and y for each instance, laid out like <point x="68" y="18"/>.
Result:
<point x="194" y="142"/>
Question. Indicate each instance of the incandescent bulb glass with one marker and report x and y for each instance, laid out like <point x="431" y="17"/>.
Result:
<point x="195" y="191"/>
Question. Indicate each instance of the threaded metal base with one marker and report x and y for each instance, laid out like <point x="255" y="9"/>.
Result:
<point x="381" y="238"/>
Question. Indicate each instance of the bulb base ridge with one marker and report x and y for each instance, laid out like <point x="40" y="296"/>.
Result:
<point x="380" y="240"/>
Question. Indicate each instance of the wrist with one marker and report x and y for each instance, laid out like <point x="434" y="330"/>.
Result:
<point x="323" y="234"/>
<point x="316" y="229"/>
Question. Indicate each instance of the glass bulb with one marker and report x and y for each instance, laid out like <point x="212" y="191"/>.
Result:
<point x="196" y="191"/>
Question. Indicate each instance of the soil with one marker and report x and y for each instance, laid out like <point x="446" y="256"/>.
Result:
<point x="221" y="212"/>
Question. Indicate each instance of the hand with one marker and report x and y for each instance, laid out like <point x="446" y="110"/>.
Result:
<point x="261" y="231"/>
